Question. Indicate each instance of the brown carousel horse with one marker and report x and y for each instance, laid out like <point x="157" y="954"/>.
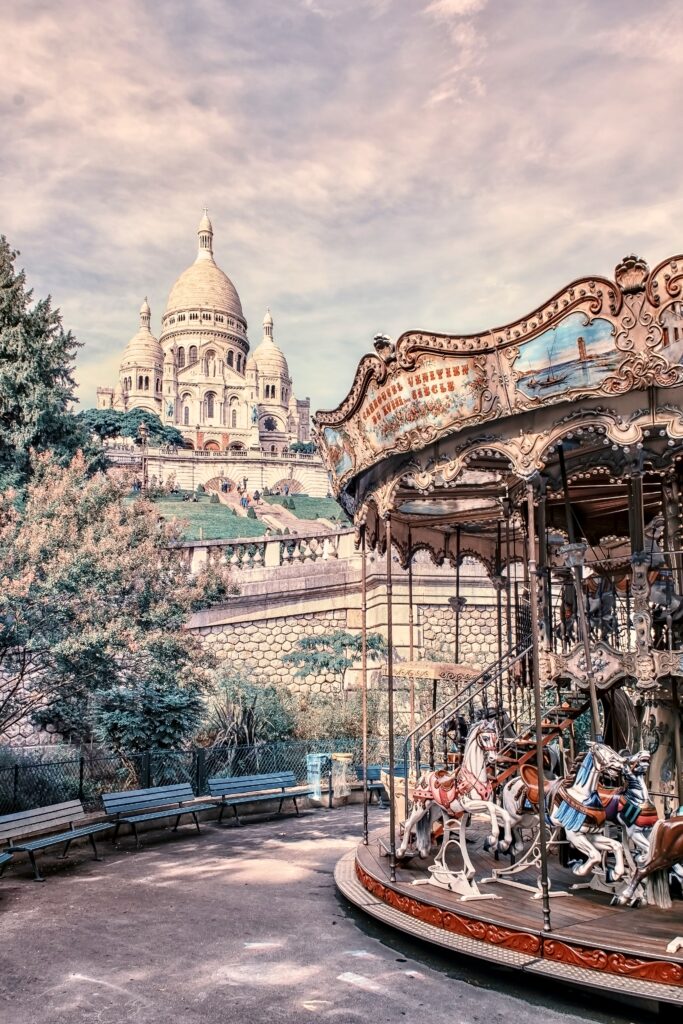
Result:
<point x="666" y="851"/>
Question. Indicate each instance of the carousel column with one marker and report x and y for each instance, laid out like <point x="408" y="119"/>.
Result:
<point x="538" y="712"/>
<point x="640" y="585"/>
<point x="364" y="677"/>
<point x="390" y="687"/>
<point x="411" y="630"/>
<point x="575" y="552"/>
<point x="498" y="581"/>
<point x="661" y="717"/>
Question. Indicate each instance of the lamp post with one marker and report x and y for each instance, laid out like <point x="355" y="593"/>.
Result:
<point x="143" y="436"/>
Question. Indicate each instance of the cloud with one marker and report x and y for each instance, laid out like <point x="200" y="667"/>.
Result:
<point x="371" y="165"/>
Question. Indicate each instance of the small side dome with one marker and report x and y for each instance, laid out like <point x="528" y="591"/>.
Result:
<point x="143" y="349"/>
<point x="270" y="359"/>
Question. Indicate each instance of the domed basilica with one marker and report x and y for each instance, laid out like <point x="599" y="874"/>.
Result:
<point x="200" y="377"/>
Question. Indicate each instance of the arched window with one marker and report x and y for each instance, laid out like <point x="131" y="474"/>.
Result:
<point x="158" y="385"/>
<point x="210" y="397"/>
<point x="146" y="383"/>
<point x="233" y="418"/>
<point x="139" y="383"/>
<point x="186" y="416"/>
<point x="239" y="363"/>
<point x="193" y="354"/>
<point x="230" y="357"/>
<point x="211" y="354"/>
<point x="181" y="357"/>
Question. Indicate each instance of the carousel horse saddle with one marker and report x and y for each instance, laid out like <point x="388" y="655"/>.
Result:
<point x="529" y="776"/>
<point x="641" y="815"/>
<point x="593" y="811"/>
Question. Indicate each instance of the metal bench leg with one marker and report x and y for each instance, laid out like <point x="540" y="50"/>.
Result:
<point x="196" y="821"/>
<point x="296" y="806"/>
<point x="220" y="814"/>
<point x="66" y="850"/>
<point x="37" y="877"/>
<point x="177" y="822"/>
<point x="135" y="833"/>
<point x="279" y="810"/>
<point x="2" y="867"/>
<point x="94" y="847"/>
<point x="116" y="832"/>
<point x="237" y="817"/>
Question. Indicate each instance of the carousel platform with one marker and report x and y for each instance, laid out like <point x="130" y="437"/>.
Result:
<point x="620" y="951"/>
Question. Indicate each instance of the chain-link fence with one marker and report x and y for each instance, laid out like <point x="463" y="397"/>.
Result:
<point x="26" y="783"/>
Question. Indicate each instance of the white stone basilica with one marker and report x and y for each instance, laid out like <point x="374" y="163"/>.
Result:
<point x="199" y="375"/>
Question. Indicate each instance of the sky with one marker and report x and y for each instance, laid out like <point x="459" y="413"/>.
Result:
<point x="368" y="165"/>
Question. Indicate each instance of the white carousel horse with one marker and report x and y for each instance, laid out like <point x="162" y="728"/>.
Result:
<point x="575" y="805"/>
<point x="578" y="809"/>
<point x="464" y="791"/>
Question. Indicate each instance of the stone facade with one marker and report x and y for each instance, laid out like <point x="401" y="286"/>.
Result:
<point x="257" y="647"/>
<point x="478" y="642"/>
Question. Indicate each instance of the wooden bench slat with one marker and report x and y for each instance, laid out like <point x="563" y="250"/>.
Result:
<point x="41" y="819"/>
<point x="139" y="799"/>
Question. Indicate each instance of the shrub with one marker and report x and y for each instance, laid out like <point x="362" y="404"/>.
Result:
<point x="200" y="489"/>
<point x="251" y="512"/>
<point x="214" y="499"/>
<point x="246" y="710"/>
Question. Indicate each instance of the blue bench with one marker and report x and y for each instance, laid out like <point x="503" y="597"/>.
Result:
<point x="130" y="807"/>
<point x="374" y="783"/>
<point x="250" y="789"/>
<point x="53" y="825"/>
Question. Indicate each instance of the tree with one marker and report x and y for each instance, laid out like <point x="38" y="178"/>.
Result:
<point x="244" y="712"/>
<point x="304" y="447"/>
<point x="333" y="653"/>
<point x="95" y="599"/>
<point x="36" y="380"/>
<point x="107" y="423"/>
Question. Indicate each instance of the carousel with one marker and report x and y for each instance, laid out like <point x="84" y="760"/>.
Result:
<point x="536" y="812"/>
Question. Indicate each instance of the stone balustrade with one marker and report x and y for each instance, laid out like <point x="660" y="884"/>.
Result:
<point x="251" y="553"/>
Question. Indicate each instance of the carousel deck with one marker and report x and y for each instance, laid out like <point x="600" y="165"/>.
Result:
<point x="616" y="949"/>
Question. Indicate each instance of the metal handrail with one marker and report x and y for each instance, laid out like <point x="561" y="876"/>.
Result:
<point x="484" y="679"/>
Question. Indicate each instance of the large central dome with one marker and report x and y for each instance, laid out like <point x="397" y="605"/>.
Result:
<point x="204" y="285"/>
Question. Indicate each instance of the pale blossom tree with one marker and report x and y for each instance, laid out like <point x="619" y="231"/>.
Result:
<point x="94" y="599"/>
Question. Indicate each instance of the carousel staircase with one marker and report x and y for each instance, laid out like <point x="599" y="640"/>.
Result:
<point x="516" y="750"/>
<point x="522" y="748"/>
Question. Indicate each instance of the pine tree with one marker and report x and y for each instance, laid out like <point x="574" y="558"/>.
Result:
<point x="36" y="379"/>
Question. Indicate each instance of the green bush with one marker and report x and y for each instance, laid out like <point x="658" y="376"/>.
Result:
<point x="251" y="512"/>
<point x="200" y="489"/>
<point x="214" y="499"/>
<point x="247" y="710"/>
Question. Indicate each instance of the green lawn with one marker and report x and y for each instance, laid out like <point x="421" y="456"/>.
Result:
<point x="312" y="508"/>
<point x="215" y="521"/>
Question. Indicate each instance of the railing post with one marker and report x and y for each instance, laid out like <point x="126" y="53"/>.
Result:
<point x="15" y="788"/>
<point x="146" y="770"/>
<point x="81" y="773"/>
<point x="200" y="767"/>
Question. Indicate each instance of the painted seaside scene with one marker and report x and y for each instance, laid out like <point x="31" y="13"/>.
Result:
<point x="577" y="353"/>
<point x="340" y="450"/>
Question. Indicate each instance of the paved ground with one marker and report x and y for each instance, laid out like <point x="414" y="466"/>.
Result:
<point x="237" y="926"/>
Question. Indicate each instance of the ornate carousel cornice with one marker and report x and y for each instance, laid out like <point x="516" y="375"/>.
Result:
<point x="427" y="387"/>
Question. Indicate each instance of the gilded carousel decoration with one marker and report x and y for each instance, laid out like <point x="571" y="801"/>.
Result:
<point x="549" y="452"/>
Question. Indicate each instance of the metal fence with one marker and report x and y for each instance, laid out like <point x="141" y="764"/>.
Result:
<point x="27" y="783"/>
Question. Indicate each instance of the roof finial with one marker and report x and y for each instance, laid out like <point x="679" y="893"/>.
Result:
<point x="145" y="314"/>
<point x="205" y="232"/>
<point x="268" y="324"/>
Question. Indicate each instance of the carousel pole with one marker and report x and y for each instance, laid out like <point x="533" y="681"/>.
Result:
<point x="390" y="687"/>
<point x="457" y="595"/>
<point x="538" y="713"/>
<point x="508" y="597"/>
<point x="364" y="676"/>
<point x="411" y="633"/>
<point x="499" y="623"/>
<point x="575" y="559"/>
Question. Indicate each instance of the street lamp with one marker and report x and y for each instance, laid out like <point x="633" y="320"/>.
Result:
<point x="143" y="437"/>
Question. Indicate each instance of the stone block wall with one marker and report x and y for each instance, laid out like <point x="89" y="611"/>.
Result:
<point x="478" y="642"/>
<point x="258" y="647"/>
